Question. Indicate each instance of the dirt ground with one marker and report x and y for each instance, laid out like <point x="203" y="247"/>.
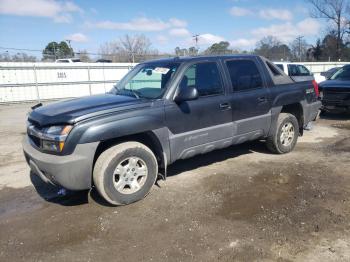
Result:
<point x="236" y="204"/>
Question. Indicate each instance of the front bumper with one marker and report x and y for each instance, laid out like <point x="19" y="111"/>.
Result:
<point x="73" y="172"/>
<point x="336" y="104"/>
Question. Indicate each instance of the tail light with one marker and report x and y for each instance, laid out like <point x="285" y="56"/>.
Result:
<point x="317" y="92"/>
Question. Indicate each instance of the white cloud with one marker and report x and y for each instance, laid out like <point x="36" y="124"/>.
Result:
<point x="288" y="31"/>
<point x="177" y="22"/>
<point x="243" y="43"/>
<point x="239" y="11"/>
<point x="209" y="39"/>
<point x="280" y="14"/>
<point x="77" y="37"/>
<point x="162" y="39"/>
<point x="139" y="24"/>
<point x="179" y="32"/>
<point x="59" y="11"/>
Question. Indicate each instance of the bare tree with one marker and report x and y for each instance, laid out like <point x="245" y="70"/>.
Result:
<point x="19" y="57"/>
<point x="83" y="56"/>
<point x="128" y="49"/>
<point x="135" y="46"/>
<point x="336" y="11"/>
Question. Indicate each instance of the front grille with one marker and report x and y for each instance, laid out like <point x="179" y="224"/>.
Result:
<point x="335" y="96"/>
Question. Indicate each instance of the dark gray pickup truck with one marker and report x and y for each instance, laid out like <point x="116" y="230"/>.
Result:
<point x="162" y="111"/>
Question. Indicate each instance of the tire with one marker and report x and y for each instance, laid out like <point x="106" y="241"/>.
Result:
<point x="279" y="144"/>
<point x="125" y="173"/>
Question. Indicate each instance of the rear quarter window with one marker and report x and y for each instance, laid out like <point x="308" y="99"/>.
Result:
<point x="280" y="66"/>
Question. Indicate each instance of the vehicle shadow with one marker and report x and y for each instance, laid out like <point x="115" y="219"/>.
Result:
<point x="54" y="194"/>
<point x="50" y="193"/>
<point x="220" y="155"/>
<point x="335" y="116"/>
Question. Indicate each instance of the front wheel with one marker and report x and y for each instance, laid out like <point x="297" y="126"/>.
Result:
<point x="285" y="136"/>
<point x="125" y="173"/>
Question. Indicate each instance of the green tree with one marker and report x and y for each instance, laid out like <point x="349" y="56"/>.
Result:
<point x="55" y="50"/>
<point x="219" y="48"/>
<point x="317" y="50"/>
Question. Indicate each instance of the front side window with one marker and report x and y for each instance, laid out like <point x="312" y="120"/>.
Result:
<point x="147" y="80"/>
<point x="293" y="70"/>
<point x="244" y="75"/>
<point x="205" y="77"/>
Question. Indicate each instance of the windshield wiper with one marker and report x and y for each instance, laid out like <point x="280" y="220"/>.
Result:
<point x="128" y="92"/>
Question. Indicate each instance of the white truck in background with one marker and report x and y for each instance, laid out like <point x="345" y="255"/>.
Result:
<point x="298" y="72"/>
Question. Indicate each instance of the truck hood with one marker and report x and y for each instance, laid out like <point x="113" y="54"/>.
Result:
<point x="335" y="85"/>
<point x="74" y="110"/>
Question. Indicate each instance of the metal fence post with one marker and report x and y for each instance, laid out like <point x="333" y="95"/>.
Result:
<point x="89" y="80"/>
<point x="36" y="84"/>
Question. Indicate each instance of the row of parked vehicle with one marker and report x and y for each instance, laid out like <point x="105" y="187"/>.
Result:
<point x="334" y="84"/>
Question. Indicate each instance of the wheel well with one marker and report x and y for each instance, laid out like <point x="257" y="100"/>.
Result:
<point x="146" y="138"/>
<point x="297" y="111"/>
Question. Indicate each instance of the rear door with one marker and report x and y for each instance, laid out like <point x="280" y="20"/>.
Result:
<point x="203" y="124"/>
<point x="249" y="98"/>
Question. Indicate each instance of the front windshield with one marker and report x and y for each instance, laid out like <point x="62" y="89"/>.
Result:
<point x="148" y="80"/>
<point x="342" y="74"/>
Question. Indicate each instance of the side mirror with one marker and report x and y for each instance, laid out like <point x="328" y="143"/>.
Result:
<point x="186" y="94"/>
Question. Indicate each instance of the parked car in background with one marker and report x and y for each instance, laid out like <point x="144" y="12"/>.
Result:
<point x="68" y="60"/>
<point x="327" y="74"/>
<point x="102" y="60"/>
<point x="162" y="111"/>
<point x="297" y="72"/>
<point x="335" y="92"/>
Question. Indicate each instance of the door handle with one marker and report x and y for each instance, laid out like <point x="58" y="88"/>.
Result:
<point x="225" y="106"/>
<point x="262" y="99"/>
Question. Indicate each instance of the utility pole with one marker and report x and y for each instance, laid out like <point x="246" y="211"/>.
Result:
<point x="70" y="47"/>
<point x="196" y="39"/>
<point x="299" y="38"/>
<point x="54" y="51"/>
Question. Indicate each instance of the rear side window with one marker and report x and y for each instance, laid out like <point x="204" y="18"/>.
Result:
<point x="298" y="70"/>
<point x="244" y="75"/>
<point x="205" y="77"/>
<point x="303" y="70"/>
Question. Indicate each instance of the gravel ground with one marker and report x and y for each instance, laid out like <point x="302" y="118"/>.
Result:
<point x="236" y="204"/>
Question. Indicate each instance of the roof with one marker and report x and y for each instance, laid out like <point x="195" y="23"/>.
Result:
<point x="197" y="58"/>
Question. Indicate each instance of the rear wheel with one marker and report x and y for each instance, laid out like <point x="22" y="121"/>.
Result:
<point x="285" y="136"/>
<point x="125" y="173"/>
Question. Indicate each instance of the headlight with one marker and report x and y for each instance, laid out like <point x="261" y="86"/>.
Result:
<point x="54" y="137"/>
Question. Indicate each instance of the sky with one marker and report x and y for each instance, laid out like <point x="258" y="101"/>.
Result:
<point x="31" y="24"/>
